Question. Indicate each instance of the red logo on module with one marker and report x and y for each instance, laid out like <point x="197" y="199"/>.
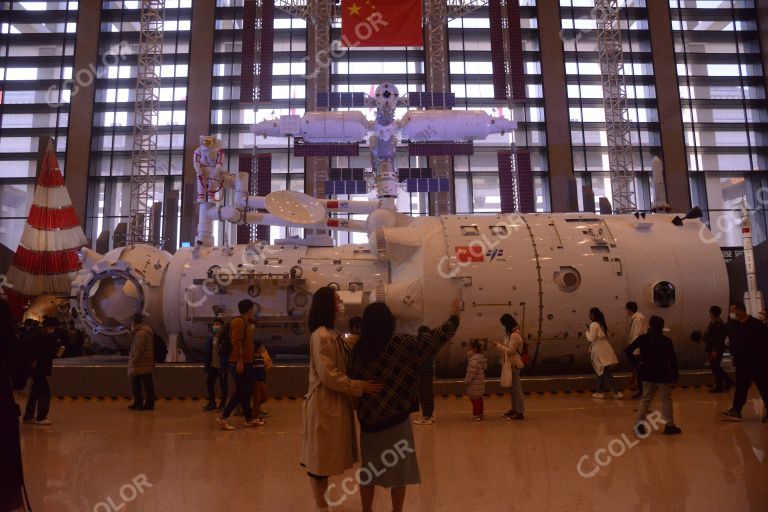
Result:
<point x="470" y="254"/>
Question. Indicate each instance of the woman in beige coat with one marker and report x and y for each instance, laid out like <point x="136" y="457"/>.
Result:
<point x="330" y="438"/>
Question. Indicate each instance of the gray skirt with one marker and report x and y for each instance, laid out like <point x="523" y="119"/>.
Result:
<point x="389" y="457"/>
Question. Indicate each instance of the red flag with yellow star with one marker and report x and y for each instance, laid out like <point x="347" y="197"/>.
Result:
<point x="381" y="23"/>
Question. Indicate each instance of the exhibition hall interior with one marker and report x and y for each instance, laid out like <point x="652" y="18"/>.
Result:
<point x="384" y="255"/>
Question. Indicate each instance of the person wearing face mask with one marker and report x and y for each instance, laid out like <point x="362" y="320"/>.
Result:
<point x="749" y="348"/>
<point x="43" y="348"/>
<point x="329" y="444"/>
<point x="141" y="364"/>
<point x="217" y="350"/>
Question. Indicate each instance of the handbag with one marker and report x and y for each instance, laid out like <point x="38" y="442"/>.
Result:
<point x="506" y="373"/>
<point x="267" y="359"/>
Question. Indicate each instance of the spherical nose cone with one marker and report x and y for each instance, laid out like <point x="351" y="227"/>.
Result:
<point x="295" y="207"/>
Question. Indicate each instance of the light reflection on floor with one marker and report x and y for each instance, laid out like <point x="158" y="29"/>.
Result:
<point x="96" y="449"/>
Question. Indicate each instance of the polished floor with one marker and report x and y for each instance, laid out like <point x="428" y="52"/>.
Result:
<point x="98" y="456"/>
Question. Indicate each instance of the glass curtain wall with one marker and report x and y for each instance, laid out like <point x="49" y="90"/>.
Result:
<point x="476" y="177"/>
<point x="36" y="54"/>
<point x="585" y="97"/>
<point x="722" y="90"/>
<point x="112" y="140"/>
<point x="231" y="121"/>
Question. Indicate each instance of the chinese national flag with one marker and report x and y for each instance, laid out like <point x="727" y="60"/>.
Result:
<point x="381" y="23"/>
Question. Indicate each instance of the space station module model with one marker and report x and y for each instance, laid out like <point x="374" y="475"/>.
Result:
<point x="547" y="270"/>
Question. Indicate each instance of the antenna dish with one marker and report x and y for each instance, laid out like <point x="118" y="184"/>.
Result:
<point x="295" y="207"/>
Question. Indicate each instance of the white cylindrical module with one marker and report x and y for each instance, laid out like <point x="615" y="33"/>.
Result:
<point x="334" y="126"/>
<point x="547" y="270"/>
<point x="201" y="285"/>
<point x="450" y="125"/>
<point x="109" y="290"/>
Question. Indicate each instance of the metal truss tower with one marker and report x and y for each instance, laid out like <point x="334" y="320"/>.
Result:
<point x="145" y="122"/>
<point x="611" y="57"/>
<point x="320" y="13"/>
<point x="436" y="51"/>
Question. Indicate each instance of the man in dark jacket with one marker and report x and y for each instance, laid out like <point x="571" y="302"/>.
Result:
<point x="43" y="348"/>
<point x="657" y="369"/>
<point x="749" y="347"/>
<point x="714" y="346"/>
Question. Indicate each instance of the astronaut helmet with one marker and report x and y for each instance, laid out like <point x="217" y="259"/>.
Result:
<point x="209" y="141"/>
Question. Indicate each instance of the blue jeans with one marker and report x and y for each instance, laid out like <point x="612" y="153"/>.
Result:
<point x="605" y="381"/>
<point x="243" y="391"/>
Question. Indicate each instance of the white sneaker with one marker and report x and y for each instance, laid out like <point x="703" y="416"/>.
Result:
<point x="255" y="422"/>
<point x="619" y="395"/>
<point x="46" y="421"/>
<point x="598" y="395"/>
<point x="477" y="418"/>
<point x="423" y="421"/>
<point x="224" y="424"/>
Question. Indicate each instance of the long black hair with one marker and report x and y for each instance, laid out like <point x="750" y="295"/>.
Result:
<point x="599" y="317"/>
<point x="378" y="328"/>
<point x="323" y="310"/>
<point x="509" y="322"/>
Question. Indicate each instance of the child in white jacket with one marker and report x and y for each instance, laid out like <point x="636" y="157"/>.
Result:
<point x="475" y="378"/>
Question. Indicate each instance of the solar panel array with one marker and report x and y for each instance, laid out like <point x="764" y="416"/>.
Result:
<point x="515" y="36"/>
<point x="413" y="172"/>
<point x="267" y="50"/>
<point x="525" y="182"/>
<point x="301" y="148"/>
<point x="343" y="187"/>
<point x="497" y="51"/>
<point x="427" y="185"/>
<point x="248" y="64"/>
<point x="516" y="51"/>
<point x="431" y="99"/>
<point x="341" y="99"/>
<point x="347" y="174"/>
<point x="440" y="148"/>
<point x="506" y="182"/>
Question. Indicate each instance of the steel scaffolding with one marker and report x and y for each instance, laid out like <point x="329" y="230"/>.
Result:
<point x="611" y="57"/>
<point x="145" y="122"/>
<point x="320" y="13"/>
<point x="436" y="51"/>
<point x="253" y="180"/>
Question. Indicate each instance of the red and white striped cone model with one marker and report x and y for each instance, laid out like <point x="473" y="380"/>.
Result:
<point x="46" y="261"/>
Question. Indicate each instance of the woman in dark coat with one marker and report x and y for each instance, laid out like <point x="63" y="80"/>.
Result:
<point x="11" y="372"/>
